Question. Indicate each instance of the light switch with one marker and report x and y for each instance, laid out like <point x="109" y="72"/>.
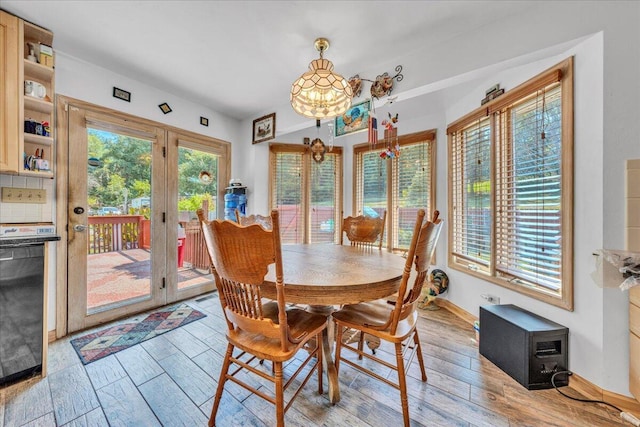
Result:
<point x="24" y="195"/>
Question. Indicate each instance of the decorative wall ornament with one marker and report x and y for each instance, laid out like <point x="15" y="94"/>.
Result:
<point x="164" y="107"/>
<point x="317" y="147"/>
<point x="356" y="85"/>
<point x="317" y="150"/>
<point x="390" y="138"/>
<point x="381" y="86"/>
<point x="121" y="94"/>
<point x="492" y="93"/>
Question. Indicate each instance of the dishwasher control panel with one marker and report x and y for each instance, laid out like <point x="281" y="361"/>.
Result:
<point x="26" y="230"/>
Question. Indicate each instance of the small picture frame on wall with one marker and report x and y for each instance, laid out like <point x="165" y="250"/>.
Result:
<point x="204" y="121"/>
<point x="121" y="94"/>
<point x="264" y="128"/>
<point x="164" y="107"/>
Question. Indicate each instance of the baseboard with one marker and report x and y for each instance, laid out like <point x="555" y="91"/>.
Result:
<point x="51" y="335"/>
<point x="591" y="391"/>
<point x="576" y="382"/>
<point x="461" y="313"/>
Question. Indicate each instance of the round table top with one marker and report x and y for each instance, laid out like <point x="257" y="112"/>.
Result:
<point x="336" y="274"/>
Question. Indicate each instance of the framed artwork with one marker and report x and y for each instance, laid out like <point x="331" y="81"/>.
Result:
<point x="204" y="121"/>
<point x="264" y="128"/>
<point x="354" y="119"/>
<point x="121" y="94"/>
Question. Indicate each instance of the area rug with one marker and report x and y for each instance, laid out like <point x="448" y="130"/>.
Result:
<point x="96" y="345"/>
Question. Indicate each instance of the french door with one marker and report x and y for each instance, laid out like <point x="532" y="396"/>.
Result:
<point x="116" y="257"/>
<point x="133" y="241"/>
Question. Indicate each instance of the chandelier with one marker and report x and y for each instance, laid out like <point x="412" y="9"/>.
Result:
<point x="320" y="93"/>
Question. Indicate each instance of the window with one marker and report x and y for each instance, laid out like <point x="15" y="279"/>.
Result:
<point x="307" y="194"/>
<point x="510" y="188"/>
<point x="400" y="185"/>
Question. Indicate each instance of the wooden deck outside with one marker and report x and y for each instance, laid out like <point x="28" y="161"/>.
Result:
<point x="121" y="275"/>
<point x="119" y="264"/>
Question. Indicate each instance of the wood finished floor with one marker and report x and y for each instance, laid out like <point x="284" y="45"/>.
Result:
<point x="170" y="380"/>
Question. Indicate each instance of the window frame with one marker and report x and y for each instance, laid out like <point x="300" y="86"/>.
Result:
<point x="307" y="164"/>
<point x="391" y="227"/>
<point x="562" y="74"/>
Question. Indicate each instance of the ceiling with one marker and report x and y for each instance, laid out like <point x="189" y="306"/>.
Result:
<point x="240" y="57"/>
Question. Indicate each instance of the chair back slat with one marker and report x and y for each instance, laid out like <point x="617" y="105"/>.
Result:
<point x="241" y="257"/>
<point x="423" y="243"/>
<point x="364" y="231"/>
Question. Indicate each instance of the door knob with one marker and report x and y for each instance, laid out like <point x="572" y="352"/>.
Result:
<point x="79" y="227"/>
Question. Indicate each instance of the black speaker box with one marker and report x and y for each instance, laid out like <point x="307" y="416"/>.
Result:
<point x="526" y="346"/>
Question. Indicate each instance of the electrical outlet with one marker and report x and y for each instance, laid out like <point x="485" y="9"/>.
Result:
<point x="23" y="195"/>
<point x="491" y="298"/>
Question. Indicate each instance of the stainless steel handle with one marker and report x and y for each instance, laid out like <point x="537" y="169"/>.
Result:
<point x="79" y="227"/>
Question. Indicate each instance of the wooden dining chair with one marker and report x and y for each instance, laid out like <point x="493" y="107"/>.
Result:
<point x="258" y="331"/>
<point x="364" y="231"/>
<point x="265" y="221"/>
<point x="393" y="321"/>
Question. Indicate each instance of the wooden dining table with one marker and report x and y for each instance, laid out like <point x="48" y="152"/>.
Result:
<point x="324" y="276"/>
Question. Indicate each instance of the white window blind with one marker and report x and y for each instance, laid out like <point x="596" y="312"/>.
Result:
<point x="412" y="189"/>
<point x="371" y="183"/>
<point x="471" y="193"/>
<point x="287" y="195"/>
<point x="307" y="194"/>
<point x="324" y="199"/>
<point x="528" y="223"/>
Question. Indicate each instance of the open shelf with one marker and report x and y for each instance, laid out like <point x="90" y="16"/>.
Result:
<point x="37" y="71"/>
<point x="37" y="174"/>
<point x="36" y="104"/>
<point x="38" y="139"/>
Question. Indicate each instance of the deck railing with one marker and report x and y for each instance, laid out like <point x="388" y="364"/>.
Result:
<point x="112" y="233"/>
<point x="195" y="248"/>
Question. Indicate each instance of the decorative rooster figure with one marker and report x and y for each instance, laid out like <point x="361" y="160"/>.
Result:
<point x="391" y="136"/>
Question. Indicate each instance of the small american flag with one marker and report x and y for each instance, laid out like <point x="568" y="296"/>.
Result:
<point x="373" y="130"/>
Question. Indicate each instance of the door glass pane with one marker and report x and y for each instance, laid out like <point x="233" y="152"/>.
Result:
<point x="197" y="189"/>
<point x="119" y="225"/>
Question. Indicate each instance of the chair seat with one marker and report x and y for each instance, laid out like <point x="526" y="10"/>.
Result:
<point x="367" y="316"/>
<point x="299" y="321"/>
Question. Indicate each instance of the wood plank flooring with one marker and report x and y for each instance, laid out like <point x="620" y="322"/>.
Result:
<point x="170" y="380"/>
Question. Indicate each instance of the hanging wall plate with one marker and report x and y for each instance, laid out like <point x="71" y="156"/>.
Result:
<point x="205" y="177"/>
<point x="318" y="149"/>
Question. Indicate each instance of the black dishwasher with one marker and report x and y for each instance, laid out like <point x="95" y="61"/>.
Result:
<point x="21" y="310"/>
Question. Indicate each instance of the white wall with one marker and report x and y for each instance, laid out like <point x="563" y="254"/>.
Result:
<point x="81" y="80"/>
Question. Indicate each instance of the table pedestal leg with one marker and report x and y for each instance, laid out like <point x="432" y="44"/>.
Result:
<point x="327" y="352"/>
